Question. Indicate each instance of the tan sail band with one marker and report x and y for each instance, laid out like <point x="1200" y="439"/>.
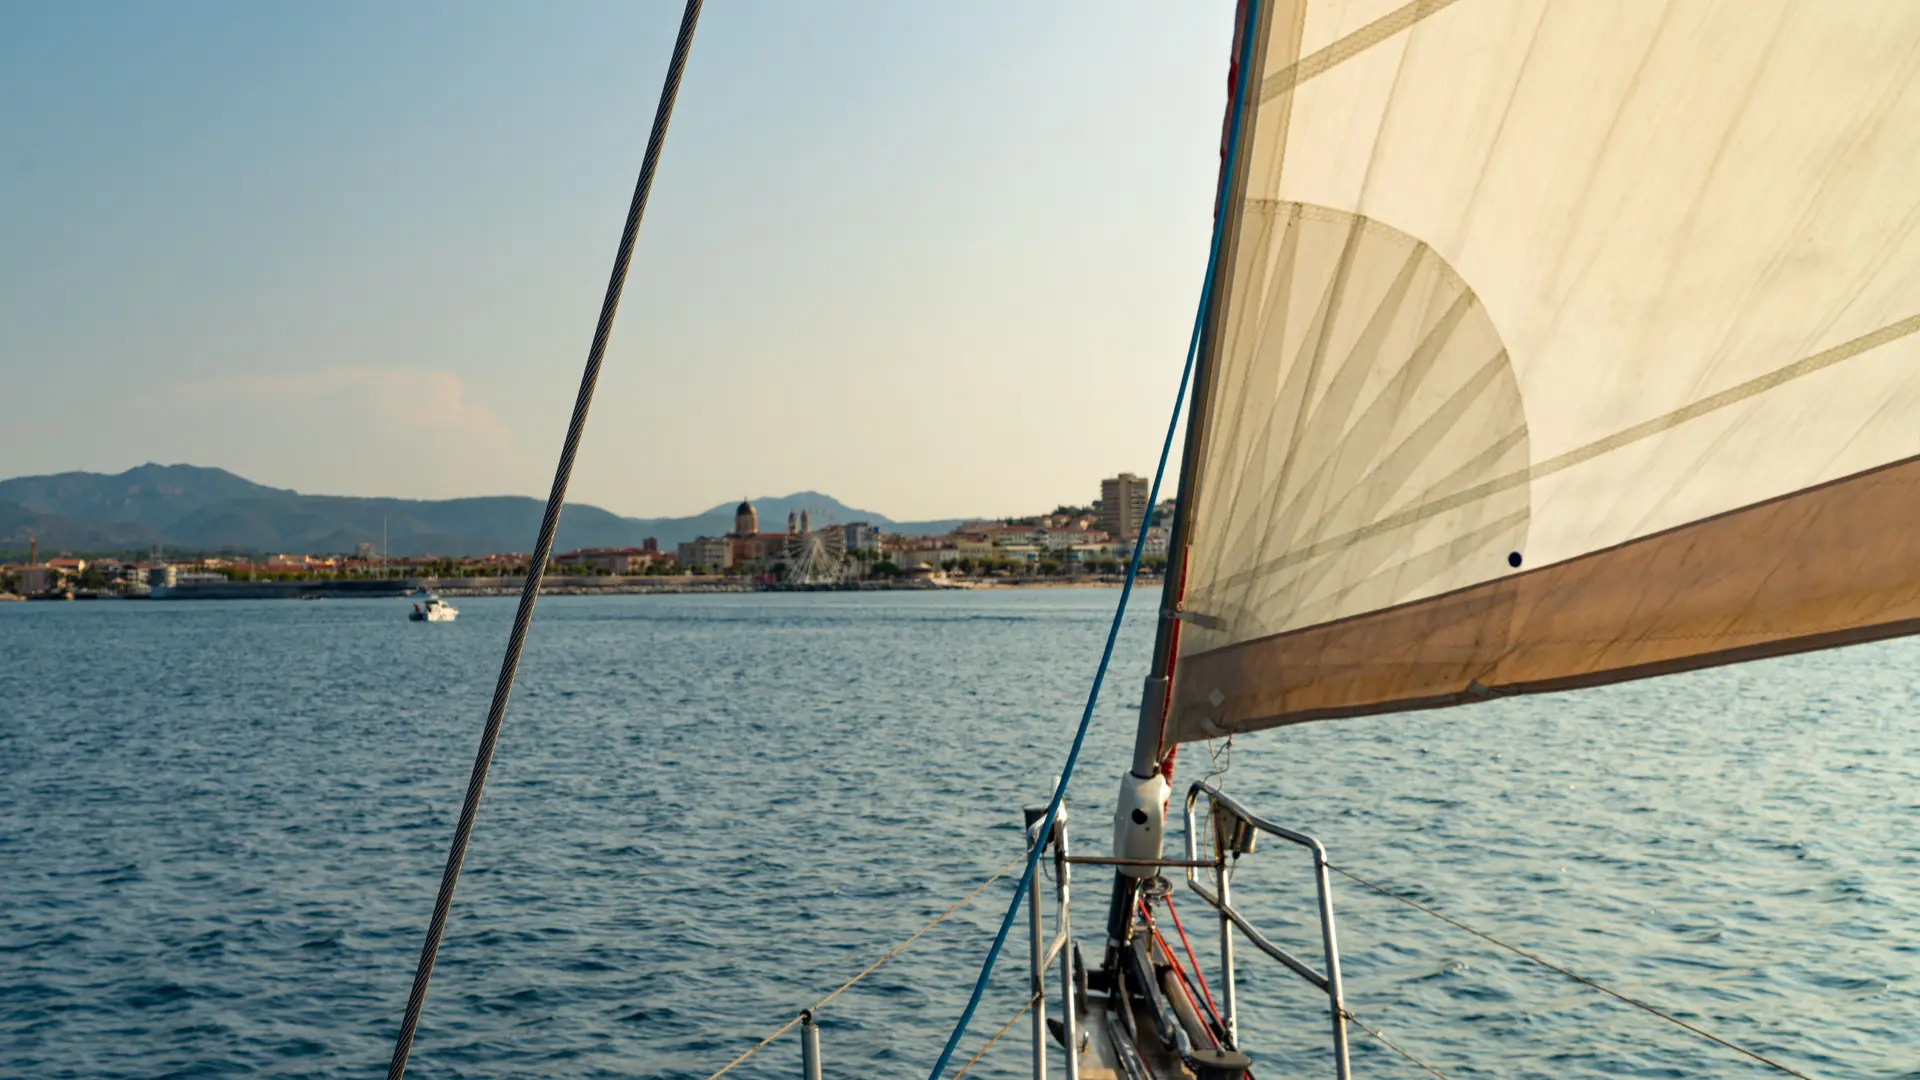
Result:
<point x="1831" y="565"/>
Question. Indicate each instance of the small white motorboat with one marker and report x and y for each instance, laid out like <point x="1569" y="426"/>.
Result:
<point x="430" y="608"/>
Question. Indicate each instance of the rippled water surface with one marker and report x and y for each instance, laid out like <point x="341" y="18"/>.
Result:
<point x="221" y="826"/>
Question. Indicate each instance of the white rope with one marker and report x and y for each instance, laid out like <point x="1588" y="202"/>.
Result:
<point x="869" y="969"/>
<point x="1004" y="1028"/>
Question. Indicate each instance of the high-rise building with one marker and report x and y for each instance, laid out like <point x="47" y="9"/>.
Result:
<point x="861" y="536"/>
<point x="1123" y="505"/>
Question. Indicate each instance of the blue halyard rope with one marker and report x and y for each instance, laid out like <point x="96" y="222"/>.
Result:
<point x="1133" y="564"/>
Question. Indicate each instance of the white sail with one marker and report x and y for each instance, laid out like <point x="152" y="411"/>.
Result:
<point x="1626" y="292"/>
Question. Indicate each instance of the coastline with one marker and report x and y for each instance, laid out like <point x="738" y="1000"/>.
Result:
<point x="394" y="588"/>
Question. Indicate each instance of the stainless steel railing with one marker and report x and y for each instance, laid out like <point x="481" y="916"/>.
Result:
<point x="1234" y="832"/>
<point x="1042" y="953"/>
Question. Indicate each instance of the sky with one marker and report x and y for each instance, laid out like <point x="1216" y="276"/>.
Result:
<point x="935" y="260"/>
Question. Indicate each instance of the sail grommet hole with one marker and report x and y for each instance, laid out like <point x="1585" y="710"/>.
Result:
<point x="1513" y="559"/>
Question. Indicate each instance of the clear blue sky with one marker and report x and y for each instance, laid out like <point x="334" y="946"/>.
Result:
<point x="933" y="259"/>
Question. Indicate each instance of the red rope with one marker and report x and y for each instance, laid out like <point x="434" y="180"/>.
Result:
<point x="1173" y="959"/>
<point x="1197" y="973"/>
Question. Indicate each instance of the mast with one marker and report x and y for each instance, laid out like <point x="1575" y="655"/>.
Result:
<point x="1249" y="60"/>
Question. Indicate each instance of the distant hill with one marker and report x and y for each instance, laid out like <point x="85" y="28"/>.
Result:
<point x="150" y="495"/>
<point x="203" y="509"/>
<point x="18" y="525"/>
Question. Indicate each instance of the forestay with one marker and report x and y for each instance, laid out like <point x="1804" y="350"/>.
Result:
<point x="1566" y="342"/>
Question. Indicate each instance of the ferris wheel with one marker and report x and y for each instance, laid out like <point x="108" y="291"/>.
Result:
<point x="819" y="557"/>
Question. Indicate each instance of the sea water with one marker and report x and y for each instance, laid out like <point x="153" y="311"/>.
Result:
<point x="222" y="826"/>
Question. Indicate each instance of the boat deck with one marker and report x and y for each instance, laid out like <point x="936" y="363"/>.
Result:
<point x="1103" y="1058"/>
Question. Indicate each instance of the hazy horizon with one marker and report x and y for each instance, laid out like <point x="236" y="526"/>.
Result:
<point x="929" y="260"/>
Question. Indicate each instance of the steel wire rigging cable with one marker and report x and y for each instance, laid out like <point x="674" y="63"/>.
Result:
<point x="537" y="565"/>
<point x="1225" y="187"/>
<point x="1575" y="976"/>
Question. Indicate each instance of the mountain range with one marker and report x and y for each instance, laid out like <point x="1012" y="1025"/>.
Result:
<point x="199" y="509"/>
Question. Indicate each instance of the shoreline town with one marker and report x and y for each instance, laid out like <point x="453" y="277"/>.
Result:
<point x="1070" y="546"/>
